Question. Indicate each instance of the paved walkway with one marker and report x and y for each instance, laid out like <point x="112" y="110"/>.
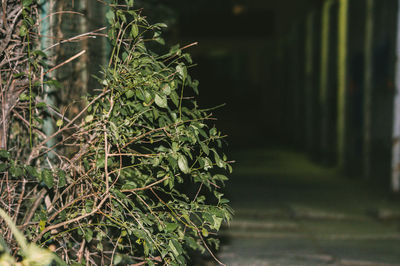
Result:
<point x="290" y="211"/>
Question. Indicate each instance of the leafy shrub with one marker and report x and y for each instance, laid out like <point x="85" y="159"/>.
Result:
<point x="136" y="176"/>
<point x="31" y="253"/>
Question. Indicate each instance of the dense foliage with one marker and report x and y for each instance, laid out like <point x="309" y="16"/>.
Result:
<point x="136" y="176"/>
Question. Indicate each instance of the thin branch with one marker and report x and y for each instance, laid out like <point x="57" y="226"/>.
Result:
<point x="132" y="154"/>
<point x="65" y="62"/>
<point x="146" y="187"/>
<point x="86" y="34"/>
<point x="52" y="227"/>
<point x="33" y="208"/>
<point x="34" y="152"/>
<point x="59" y="12"/>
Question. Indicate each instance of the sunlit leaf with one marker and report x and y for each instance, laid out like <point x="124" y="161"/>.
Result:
<point x="183" y="164"/>
<point x="161" y="101"/>
<point x="48" y="179"/>
<point x="134" y="30"/>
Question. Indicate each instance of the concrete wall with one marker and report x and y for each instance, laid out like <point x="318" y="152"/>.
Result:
<point x="349" y="67"/>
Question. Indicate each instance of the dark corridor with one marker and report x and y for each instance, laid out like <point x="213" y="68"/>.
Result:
<point x="315" y="76"/>
<point x="309" y="88"/>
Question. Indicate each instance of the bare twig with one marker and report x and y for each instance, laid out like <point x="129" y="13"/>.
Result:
<point x="33" y="208"/>
<point x="52" y="227"/>
<point x="34" y="152"/>
<point x="65" y="62"/>
<point x="86" y="34"/>
<point x="146" y="187"/>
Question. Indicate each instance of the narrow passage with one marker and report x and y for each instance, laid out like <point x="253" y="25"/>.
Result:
<point x="290" y="211"/>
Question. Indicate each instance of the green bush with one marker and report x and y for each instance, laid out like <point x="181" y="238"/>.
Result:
<point x="31" y="253"/>
<point x="136" y="176"/>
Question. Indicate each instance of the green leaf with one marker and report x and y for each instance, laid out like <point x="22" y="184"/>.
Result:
<point x="23" y="31"/>
<point x="220" y="177"/>
<point x="54" y="83"/>
<point x="4" y="154"/>
<point x="166" y="89"/>
<point x="195" y="86"/>
<point x="100" y="162"/>
<point x="191" y="242"/>
<point x="224" y="201"/>
<point x="32" y="171"/>
<point x="170" y="227"/>
<point x="217" y="222"/>
<point x="39" y="53"/>
<point x="145" y="248"/>
<point x="134" y="30"/>
<point x="41" y="105"/>
<point x="181" y="260"/>
<point x="42" y="225"/>
<point x="174" y="245"/>
<point x="175" y="98"/>
<point x="205" y="148"/>
<point x="89" y="118"/>
<point x="160" y="40"/>
<point x="3" y="167"/>
<point x="16" y="171"/>
<point x="27" y="3"/>
<point x="161" y="101"/>
<point x="204" y="232"/>
<point x="47" y="177"/>
<point x="207" y="164"/>
<point x="117" y="259"/>
<point x="129" y="185"/>
<point x="147" y="97"/>
<point x="220" y="163"/>
<point x="182" y="71"/>
<point x="129" y="94"/>
<point x="121" y="16"/>
<point x="183" y="164"/>
<point x="88" y="234"/>
<point x="62" y="181"/>
<point x="188" y="58"/>
<point x="160" y="25"/>
<point x="229" y="168"/>
<point x="59" y="122"/>
<point x="24" y="97"/>
<point x="110" y="16"/>
<point x="29" y="21"/>
<point x="213" y="131"/>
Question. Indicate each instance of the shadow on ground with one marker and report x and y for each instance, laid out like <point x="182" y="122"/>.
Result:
<point x="290" y="211"/>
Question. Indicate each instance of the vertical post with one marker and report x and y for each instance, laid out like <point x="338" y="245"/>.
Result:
<point x="46" y="27"/>
<point x="308" y="81"/>
<point x="83" y="27"/>
<point x="323" y="99"/>
<point x="396" y="115"/>
<point x="368" y="67"/>
<point x="342" y="80"/>
<point x="107" y="45"/>
<point x="295" y="85"/>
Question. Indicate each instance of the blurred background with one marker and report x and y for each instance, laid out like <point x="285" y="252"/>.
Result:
<point x="312" y="116"/>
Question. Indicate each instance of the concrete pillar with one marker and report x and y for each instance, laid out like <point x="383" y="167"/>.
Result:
<point x="323" y="95"/>
<point x="368" y="86"/>
<point x="309" y="72"/>
<point x="395" y="180"/>
<point x="46" y="31"/>
<point x="342" y="80"/>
